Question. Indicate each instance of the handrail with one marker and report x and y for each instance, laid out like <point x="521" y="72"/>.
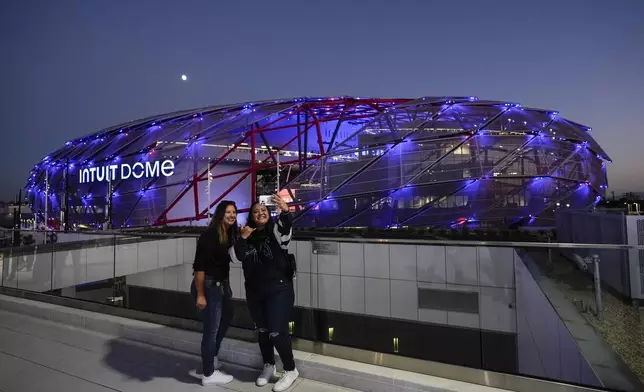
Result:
<point x="103" y="232"/>
<point x="106" y="233"/>
<point x="507" y="244"/>
<point x="392" y="241"/>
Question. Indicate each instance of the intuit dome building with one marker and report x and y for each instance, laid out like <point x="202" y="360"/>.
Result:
<point x="341" y="162"/>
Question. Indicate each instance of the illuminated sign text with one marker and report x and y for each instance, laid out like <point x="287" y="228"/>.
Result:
<point x="126" y="171"/>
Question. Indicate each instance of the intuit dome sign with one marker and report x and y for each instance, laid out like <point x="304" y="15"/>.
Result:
<point x="125" y="171"/>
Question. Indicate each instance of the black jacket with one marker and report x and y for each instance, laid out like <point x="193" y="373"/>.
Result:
<point x="264" y="254"/>
<point x="213" y="257"/>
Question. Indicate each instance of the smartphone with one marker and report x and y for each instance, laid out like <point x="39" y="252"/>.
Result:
<point x="266" y="200"/>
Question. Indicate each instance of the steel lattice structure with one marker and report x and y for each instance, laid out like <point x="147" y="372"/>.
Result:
<point x="341" y="162"/>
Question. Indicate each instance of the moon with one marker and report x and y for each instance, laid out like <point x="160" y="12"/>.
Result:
<point x="184" y="77"/>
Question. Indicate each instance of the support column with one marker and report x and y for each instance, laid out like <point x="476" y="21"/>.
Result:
<point x="299" y="143"/>
<point x="208" y="214"/>
<point x="108" y="210"/>
<point x="253" y="164"/>
<point x="195" y="182"/>
<point x="46" y="198"/>
<point x="65" y="220"/>
<point x="306" y="139"/>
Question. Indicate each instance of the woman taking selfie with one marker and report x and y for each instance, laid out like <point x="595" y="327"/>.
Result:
<point x="211" y="288"/>
<point x="262" y="248"/>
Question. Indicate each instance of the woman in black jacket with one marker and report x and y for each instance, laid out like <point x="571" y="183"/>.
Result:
<point x="211" y="288"/>
<point x="262" y="248"/>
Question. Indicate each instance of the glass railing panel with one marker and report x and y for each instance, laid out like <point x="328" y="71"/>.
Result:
<point x="157" y="272"/>
<point x="83" y="265"/>
<point x="8" y="269"/>
<point x="27" y="267"/>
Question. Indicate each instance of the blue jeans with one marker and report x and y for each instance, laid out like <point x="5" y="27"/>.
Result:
<point x="216" y="319"/>
<point x="270" y="308"/>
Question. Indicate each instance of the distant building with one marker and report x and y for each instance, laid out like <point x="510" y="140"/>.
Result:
<point x="8" y="212"/>
<point x="633" y="196"/>
<point x="12" y="208"/>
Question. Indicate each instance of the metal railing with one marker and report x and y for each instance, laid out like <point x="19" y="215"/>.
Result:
<point x="366" y="240"/>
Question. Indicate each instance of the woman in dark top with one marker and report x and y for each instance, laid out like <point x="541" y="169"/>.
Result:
<point x="262" y="248"/>
<point x="211" y="288"/>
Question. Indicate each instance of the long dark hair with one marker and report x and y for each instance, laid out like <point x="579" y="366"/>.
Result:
<point x="218" y="222"/>
<point x="251" y="221"/>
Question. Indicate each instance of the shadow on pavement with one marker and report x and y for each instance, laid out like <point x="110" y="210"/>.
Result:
<point x="146" y="363"/>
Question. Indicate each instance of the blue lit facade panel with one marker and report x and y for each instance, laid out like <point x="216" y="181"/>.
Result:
<point x="395" y="208"/>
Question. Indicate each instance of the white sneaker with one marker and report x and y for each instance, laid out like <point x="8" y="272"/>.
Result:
<point x="266" y="375"/>
<point x="286" y="381"/>
<point x="217" y="378"/>
<point x="198" y="373"/>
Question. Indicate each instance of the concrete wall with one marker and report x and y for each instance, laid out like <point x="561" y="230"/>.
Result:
<point x="390" y="281"/>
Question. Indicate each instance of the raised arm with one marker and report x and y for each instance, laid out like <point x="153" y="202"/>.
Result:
<point x="283" y="228"/>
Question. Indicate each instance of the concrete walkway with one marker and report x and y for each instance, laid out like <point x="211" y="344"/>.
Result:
<point x="38" y="355"/>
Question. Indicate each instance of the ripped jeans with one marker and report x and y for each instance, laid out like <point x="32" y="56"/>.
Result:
<point x="270" y="308"/>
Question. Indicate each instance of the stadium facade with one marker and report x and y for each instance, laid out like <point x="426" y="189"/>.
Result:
<point x="341" y="162"/>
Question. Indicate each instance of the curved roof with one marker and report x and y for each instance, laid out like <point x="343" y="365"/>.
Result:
<point x="568" y="130"/>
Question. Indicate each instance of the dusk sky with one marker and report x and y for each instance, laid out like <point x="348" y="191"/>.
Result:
<point x="69" y="68"/>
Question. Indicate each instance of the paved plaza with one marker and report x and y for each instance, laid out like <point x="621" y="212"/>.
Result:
<point x="38" y="355"/>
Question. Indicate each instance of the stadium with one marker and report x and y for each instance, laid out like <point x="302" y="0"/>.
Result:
<point x="339" y="161"/>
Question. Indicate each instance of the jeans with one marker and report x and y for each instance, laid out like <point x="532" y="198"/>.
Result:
<point x="216" y="319"/>
<point x="270" y="308"/>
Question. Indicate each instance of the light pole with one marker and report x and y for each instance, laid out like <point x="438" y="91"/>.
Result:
<point x="65" y="220"/>
<point x="46" y="198"/>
